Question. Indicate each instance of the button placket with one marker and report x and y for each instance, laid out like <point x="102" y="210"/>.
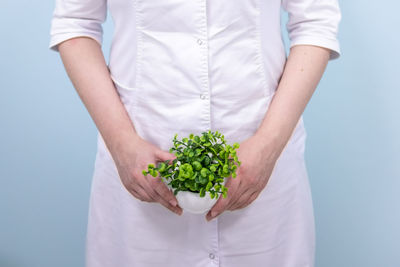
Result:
<point x="202" y="41"/>
<point x="203" y="96"/>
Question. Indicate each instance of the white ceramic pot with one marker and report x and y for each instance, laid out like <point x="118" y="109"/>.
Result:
<point x="193" y="203"/>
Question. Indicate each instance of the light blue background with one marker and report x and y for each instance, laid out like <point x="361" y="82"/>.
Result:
<point x="353" y="148"/>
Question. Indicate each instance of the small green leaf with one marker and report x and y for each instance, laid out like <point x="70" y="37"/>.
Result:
<point x="196" y="165"/>
<point x="207" y="161"/>
<point x="202" y="192"/>
<point x="198" y="152"/>
<point x="209" y="185"/>
<point x="162" y="167"/>
<point x="153" y="173"/>
<point x="225" y="168"/>
<point x="212" y="193"/>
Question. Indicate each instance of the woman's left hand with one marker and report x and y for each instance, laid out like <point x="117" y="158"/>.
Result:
<point x="257" y="163"/>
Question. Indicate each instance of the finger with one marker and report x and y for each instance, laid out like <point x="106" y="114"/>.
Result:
<point x="158" y="185"/>
<point x="238" y="193"/>
<point x="152" y="192"/>
<point x="221" y="203"/>
<point x="135" y="189"/>
<point x="252" y="198"/>
<point x="164" y="155"/>
<point x="175" y="209"/>
<point x="164" y="192"/>
<point x="240" y="201"/>
<point x="140" y="194"/>
<point x="143" y="183"/>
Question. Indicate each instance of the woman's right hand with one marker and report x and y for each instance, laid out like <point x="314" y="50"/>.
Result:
<point x="85" y="64"/>
<point x="131" y="159"/>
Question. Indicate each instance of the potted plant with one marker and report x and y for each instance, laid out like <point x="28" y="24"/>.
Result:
<point x="198" y="174"/>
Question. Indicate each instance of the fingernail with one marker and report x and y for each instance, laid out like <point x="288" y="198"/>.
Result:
<point x="213" y="214"/>
<point x="173" y="202"/>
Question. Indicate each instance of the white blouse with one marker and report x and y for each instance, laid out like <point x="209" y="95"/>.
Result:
<point x="187" y="66"/>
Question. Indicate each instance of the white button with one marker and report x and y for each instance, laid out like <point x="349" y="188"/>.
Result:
<point x="199" y="41"/>
<point x="212" y="256"/>
<point x="203" y="96"/>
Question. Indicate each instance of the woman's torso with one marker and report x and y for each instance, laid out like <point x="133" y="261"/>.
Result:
<point x="188" y="66"/>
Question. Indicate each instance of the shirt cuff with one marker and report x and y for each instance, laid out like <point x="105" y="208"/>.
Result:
<point x="332" y="44"/>
<point x="58" y="38"/>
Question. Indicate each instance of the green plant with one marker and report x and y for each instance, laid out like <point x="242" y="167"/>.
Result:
<point x="201" y="164"/>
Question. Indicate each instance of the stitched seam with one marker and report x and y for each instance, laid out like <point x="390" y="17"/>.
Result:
<point x="139" y="46"/>
<point x="205" y="61"/>
<point x="259" y="58"/>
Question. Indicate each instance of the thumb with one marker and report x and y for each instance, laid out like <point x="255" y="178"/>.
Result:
<point x="164" y="155"/>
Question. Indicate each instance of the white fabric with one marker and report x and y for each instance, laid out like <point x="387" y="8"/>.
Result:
<point x="186" y="66"/>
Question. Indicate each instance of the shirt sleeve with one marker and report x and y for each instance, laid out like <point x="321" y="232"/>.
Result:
<point x="73" y="18"/>
<point x="314" y="22"/>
